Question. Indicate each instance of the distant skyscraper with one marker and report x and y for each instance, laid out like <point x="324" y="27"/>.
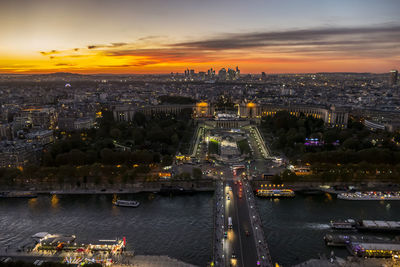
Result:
<point x="263" y="76"/>
<point x="222" y="74"/>
<point x="211" y="73"/>
<point x="231" y="74"/>
<point x="202" y="75"/>
<point x="393" y="77"/>
<point x="237" y="73"/>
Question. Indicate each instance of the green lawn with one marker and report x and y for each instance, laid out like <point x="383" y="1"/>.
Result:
<point x="243" y="146"/>
<point x="213" y="147"/>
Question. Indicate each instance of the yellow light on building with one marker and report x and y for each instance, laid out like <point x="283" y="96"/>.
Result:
<point x="202" y="104"/>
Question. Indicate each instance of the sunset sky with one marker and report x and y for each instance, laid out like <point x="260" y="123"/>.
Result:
<point x="162" y="36"/>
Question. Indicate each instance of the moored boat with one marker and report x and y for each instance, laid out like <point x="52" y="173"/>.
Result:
<point x="378" y="226"/>
<point x="367" y="225"/>
<point x="275" y="193"/>
<point x="372" y="195"/>
<point x="344" y="240"/>
<point x="348" y="224"/>
<point x="126" y="203"/>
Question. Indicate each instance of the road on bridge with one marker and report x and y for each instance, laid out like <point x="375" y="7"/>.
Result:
<point x="240" y="239"/>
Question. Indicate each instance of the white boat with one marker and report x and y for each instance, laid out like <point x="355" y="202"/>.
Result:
<point x="127" y="203"/>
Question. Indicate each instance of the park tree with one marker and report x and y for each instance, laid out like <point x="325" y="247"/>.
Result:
<point x="139" y="118"/>
<point x="166" y="160"/>
<point x="197" y="173"/>
<point x="115" y="133"/>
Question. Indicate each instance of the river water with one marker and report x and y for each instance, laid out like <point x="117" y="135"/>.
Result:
<point x="295" y="228"/>
<point x="181" y="226"/>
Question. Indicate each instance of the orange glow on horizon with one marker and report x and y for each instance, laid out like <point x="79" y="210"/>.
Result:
<point x="86" y="61"/>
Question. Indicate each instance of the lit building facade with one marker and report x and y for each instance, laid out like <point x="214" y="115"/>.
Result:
<point x="331" y="116"/>
<point x="393" y="77"/>
<point x="251" y="111"/>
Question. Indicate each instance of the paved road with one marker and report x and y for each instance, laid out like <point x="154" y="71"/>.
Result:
<point x="238" y="242"/>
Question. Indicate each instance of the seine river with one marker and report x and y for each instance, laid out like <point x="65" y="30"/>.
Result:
<point x="295" y="228"/>
<point x="181" y="226"/>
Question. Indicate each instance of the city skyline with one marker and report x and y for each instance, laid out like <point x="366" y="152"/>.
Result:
<point x="133" y="37"/>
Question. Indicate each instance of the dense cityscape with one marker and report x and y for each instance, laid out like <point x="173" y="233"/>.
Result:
<point x="187" y="134"/>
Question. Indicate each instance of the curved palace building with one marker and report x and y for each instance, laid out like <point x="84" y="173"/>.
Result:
<point x="332" y="116"/>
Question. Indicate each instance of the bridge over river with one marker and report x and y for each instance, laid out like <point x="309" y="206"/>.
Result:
<point x="239" y="238"/>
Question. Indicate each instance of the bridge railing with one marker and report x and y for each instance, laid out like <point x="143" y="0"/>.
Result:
<point x="219" y="224"/>
<point x="264" y="257"/>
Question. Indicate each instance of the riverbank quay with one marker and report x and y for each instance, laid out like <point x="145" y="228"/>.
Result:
<point x="152" y="261"/>
<point x="153" y="187"/>
<point x="325" y="187"/>
<point x="350" y="262"/>
<point x="219" y="228"/>
<point x="120" y="261"/>
<point x="264" y="257"/>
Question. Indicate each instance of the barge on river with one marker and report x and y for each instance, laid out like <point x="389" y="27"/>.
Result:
<point x="367" y="225"/>
<point x="67" y="243"/>
<point x="365" y="246"/>
<point x="126" y="203"/>
<point x="335" y="240"/>
<point x="374" y="250"/>
<point x="275" y="193"/>
<point x="372" y="195"/>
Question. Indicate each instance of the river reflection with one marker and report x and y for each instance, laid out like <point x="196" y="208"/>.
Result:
<point x="294" y="228"/>
<point x="180" y="227"/>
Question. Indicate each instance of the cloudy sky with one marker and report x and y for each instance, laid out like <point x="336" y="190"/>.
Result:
<point x="162" y="36"/>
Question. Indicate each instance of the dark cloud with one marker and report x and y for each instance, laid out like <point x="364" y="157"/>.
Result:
<point x="142" y="63"/>
<point x="65" y="64"/>
<point x="112" y="45"/>
<point x="163" y="54"/>
<point x="381" y="41"/>
<point x="76" y="56"/>
<point x="372" y="42"/>
<point x="115" y="66"/>
<point x="49" y="52"/>
<point x="150" y="37"/>
<point x="306" y="37"/>
<point x="94" y="46"/>
<point x="118" y="44"/>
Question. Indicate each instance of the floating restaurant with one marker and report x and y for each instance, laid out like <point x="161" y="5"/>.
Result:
<point x="275" y="193"/>
<point x="74" y="253"/>
<point x="379" y="250"/>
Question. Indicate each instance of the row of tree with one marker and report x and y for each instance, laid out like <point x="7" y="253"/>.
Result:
<point x="143" y="140"/>
<point x="371" y="155"/>
<point x="353" y="144"/>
